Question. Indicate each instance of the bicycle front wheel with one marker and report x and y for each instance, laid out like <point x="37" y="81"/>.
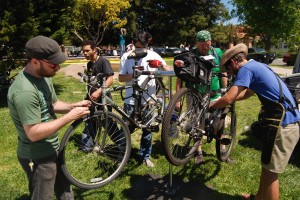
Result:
<point x="179" y="124"/>
<point x="226" y="133"/>
<point x="95" y="150"/>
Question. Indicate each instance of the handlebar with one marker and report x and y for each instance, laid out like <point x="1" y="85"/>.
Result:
<point x="157" y="73"/>
<point x="100" y="76"/>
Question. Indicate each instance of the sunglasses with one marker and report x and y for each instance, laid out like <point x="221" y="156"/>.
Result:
<point x="52" y="66"/>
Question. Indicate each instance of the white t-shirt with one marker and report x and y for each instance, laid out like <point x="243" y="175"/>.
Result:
<point x="126" y="68"/>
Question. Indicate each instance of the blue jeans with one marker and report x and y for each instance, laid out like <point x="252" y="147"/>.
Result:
<point x="122" y="50"/>
<point x="45" y="178"/>
<point x="146" y="139"/>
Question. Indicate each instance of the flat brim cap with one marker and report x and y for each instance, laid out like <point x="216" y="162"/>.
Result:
<point x="42" y="47"/>
<point x="232" y="52"/>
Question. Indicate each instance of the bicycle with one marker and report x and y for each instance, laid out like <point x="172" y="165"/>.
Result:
<point x="186" y="122"/>
<point x="112" y="141"/>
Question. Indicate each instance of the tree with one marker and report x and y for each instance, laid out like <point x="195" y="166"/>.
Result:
<point x="293" y="40"/>
<point x="95" y="16"/>
<point x="270" y="19"/>
<point x="21" y="20"/>
<point x="172" y="22"/>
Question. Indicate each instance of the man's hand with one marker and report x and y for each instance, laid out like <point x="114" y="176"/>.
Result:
<point x="78" y="112"/>
<point x="84" y="103"/>
<point x="95" y="95"/>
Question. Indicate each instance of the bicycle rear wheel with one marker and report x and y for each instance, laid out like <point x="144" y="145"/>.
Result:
<point x="178" y="128"/>
<point x="103" y="161"/>
<point x="155" y="106"/>
<point x="226" y="133"/>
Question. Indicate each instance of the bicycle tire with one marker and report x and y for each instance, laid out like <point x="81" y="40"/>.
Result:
<point x="105" y="161"/>
<point x="178" y="143"/>
<point x="160" y="98"/>
<point x="226" y="133"/>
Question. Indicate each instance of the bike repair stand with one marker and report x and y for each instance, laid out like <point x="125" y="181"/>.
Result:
<point x="171" y="189"/>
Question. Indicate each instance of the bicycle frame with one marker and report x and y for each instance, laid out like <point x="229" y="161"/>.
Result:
<point x="209" y="126"/>
<point x="137" y="94"/>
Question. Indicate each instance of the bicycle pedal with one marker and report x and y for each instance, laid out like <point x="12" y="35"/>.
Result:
<point x="225" y="141"/>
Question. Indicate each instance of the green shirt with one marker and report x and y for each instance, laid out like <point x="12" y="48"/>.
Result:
<point x="215" y="82"/>
<point x="30" y="101"/>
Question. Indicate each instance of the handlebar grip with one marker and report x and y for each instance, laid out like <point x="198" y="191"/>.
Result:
<point x="80" y="74"/>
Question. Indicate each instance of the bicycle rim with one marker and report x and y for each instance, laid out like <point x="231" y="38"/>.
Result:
<point x="177" y="139"/>
<point x="226" y="133"/>
<point x="100" y="163"/>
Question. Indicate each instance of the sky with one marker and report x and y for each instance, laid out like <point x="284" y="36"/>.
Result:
<point x="229" y="7"/>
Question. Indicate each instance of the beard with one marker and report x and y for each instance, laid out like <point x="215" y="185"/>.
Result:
<point x="46" y="71"/>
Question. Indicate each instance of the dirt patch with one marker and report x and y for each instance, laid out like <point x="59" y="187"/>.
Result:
<point x="73" y="69"/>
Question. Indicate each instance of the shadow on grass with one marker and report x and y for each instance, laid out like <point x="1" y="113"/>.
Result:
<point x="3" y="98"/>
<point x="23" y="197"/>
<point x="152" y="186"/>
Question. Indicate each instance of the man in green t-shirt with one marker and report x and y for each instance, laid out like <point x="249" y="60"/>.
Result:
<point x="32" y="103"/>
<point x="204" y="48"/>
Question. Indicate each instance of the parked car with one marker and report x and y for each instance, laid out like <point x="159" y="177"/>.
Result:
<point x="260" y="55"/>
<point x="73" y="51"/>
<point x="289" y="58"/>
<point x="159" y="50"/>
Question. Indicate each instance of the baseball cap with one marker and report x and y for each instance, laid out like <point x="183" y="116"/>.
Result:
<point x="41" y="47"/>
<point x="203" y="36"/>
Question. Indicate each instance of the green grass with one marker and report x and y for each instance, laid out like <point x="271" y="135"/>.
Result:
<point x="227" y="181"/>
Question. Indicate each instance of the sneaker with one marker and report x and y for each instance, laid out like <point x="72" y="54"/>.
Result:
<point x="148" y="163"/>
<point x="199" y="158"/>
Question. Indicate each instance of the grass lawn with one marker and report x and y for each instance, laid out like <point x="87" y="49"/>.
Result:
<point x="216" y="179"/>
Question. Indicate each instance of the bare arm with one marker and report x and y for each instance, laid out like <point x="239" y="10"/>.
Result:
<point x="166" y="68"/>
<point x="235" y="93"/>
<point x="178" y="84"/>
<point x="63" y="107"/>
<point x="36" y="132"/>
<point x="224" y="80"/>
<point x="96" y="95"/>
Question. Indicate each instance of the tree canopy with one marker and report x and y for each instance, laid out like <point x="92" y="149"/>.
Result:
<point x="93" y="17"/>
<point x="270" y="19"/>
<point x="172" y="22"/>
<point x="21" y="20"/>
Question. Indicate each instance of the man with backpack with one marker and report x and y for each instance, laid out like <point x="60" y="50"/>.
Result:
<point x="204" y="48"/>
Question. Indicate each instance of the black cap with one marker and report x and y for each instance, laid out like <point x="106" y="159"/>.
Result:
<point x="42" y="47"/>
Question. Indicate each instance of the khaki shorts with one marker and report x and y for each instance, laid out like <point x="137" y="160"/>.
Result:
<point x="285" y="141"/>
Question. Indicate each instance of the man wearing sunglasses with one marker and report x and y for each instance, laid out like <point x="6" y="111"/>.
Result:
<point x="280" y="114"/>
<point x="32" y="102"/>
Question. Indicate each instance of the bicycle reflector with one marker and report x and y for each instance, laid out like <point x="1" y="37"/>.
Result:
<point x="154" y="63"/>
